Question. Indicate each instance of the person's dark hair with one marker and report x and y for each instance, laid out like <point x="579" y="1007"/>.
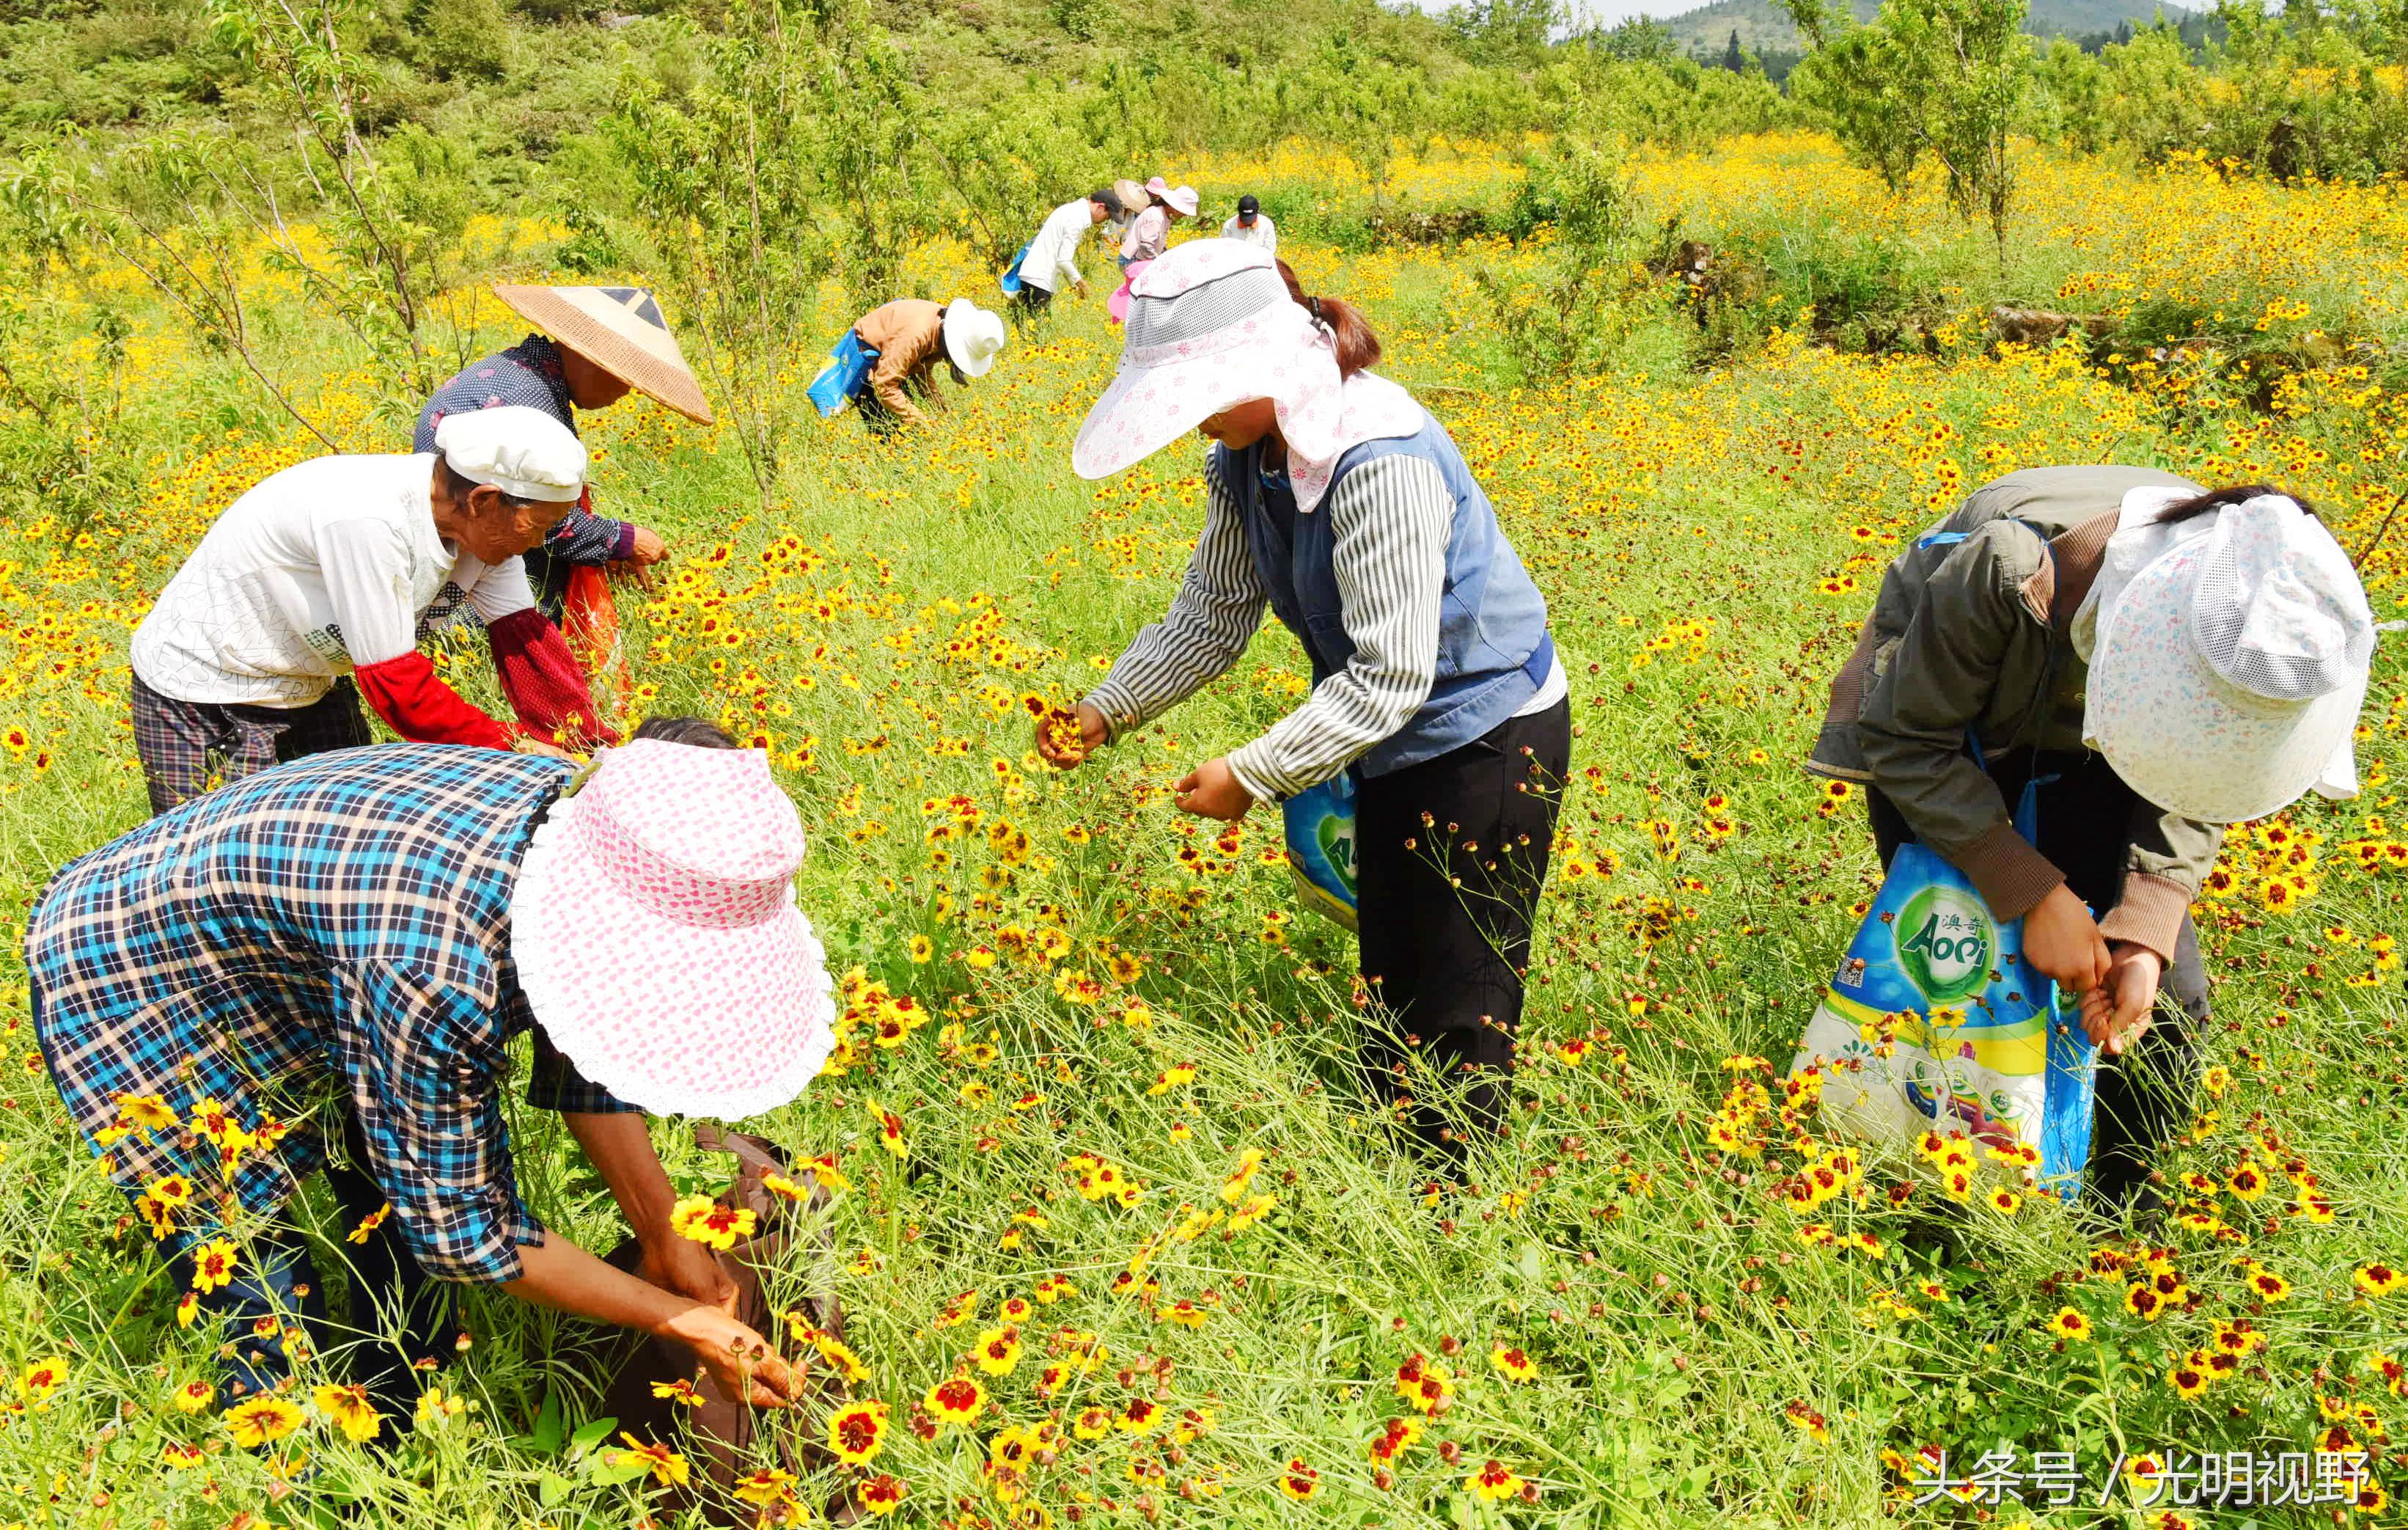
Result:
<point x="1358" y="347"/>
<point x="458" y="486"/>
<point x="1107" y="199"/>
<point x="2215" y="500"/>
<point x="700" y="733"/>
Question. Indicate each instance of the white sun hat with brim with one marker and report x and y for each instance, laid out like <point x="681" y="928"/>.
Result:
<point x="2227" y="678"/>
<point x="973" y="336"/>
<point x="1212" y="326"/>
<point x="1183" y="199"/>
<point x="522" y="452"/>
<point x="655" y="934"/>
<point x="621" y="330"/>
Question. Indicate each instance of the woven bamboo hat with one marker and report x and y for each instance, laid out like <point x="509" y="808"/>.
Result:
<point x="619" y="329"/>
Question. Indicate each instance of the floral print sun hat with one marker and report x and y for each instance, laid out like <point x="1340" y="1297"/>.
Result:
<point x="1210" y="326"/>
<point x="2226" y="676"/>
<point x="655" y="934"/>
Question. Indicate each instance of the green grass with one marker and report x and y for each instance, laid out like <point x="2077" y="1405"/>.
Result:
<point x="1680" y="523"/>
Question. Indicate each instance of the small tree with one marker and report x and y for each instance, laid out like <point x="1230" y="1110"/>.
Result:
<point x="799" y="156"/>
<point x="1567" y="318"/>
<point x="725" y="189"/>
<point x="1942" y="77"/>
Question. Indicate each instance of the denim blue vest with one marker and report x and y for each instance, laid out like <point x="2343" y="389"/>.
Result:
<point x="1493" y="648"/>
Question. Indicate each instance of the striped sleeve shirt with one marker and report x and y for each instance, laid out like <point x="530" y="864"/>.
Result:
<point x="1390" y="520"/>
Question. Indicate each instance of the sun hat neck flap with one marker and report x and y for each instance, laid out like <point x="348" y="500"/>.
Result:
<point x="654" y="932"/>
<point x="1210" y="326"/>
<point x="621" y="330"/>
<point x="2228" y="678"/>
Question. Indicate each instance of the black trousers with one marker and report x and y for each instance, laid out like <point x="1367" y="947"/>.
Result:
<point x="2144" y="1096"/>
<point x="399" y="1318"/>
<point x="1450" y="854"/>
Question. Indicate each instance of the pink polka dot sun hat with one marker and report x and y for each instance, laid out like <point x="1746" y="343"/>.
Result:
<point x="2227" y="678"/>
<point x="1210" y="326"/>
<point x="655" y="933"/>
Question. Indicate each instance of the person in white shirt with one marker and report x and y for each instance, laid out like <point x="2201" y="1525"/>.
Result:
<point x="313" y="588"/>
<point x="1051" y="259"/>
<point x="1251" y="227"/>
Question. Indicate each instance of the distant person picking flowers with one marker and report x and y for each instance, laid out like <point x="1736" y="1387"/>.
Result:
<point x="1053" y="258"/>
<point x="1251" y="227"/>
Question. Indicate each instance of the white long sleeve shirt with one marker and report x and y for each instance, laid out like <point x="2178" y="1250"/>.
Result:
<point x="1051" y="262"/>
<point x="1265" y="233"/>
<point x="1390" y="519"/>
<point x="318" y="570"/>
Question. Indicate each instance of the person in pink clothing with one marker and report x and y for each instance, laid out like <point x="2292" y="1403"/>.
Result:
<point x="1150" y="235"/>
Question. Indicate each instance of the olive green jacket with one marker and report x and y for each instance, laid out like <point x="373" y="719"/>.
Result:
<point x="1967" y="635"/>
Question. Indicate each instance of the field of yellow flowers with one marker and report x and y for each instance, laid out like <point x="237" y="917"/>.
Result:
<point x="1117" y="1243"/>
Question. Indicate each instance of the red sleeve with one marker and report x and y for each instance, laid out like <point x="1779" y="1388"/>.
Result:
<point x="544" y="683"/>
<point x="418" y="706"/>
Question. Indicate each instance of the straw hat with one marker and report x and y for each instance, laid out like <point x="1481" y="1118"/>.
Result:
<point x="973" y="336"/>
<point x="1132" y="197"/>
<point x="655" y="934"/>
<point x="2227" y="675"/>
<point x="619" y="329"/>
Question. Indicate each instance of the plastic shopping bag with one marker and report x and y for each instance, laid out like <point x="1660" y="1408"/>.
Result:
<point x="1935" y="1021"/>
<point x="1117" y="305"/>
<point x="848" y="364"/>
<point x="1320" y="823"/>
<point x="1011" y="282"/>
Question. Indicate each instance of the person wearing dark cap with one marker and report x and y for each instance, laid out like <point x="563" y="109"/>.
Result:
<point x="1052" y="260"/>
<point x="1251" y="227"/>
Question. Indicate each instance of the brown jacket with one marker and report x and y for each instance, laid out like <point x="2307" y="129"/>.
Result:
<point x="909" y="336"/>
<point x="1965" y="637"/>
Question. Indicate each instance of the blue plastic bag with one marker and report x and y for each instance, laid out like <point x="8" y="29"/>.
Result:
<point x="1012" y="277"/>
<point x="1320" y="822"/>
<point x="848" y="368"/>
<point x="1934" y="1020"/>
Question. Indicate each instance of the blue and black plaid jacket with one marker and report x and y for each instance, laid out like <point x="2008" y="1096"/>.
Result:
<point x="332" y="933"/>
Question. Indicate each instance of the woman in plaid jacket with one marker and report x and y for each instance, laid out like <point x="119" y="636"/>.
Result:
<point x="323" y="967"/>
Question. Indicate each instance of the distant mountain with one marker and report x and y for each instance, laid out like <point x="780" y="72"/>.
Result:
<point x="1764" y="27"/>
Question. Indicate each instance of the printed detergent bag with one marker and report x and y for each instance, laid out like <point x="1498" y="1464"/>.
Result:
<point x="1321" y="848"/>
<point x="848" y="364"/>
<point x="1977" y="1045"/>
<point x="1011" y="283"/>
